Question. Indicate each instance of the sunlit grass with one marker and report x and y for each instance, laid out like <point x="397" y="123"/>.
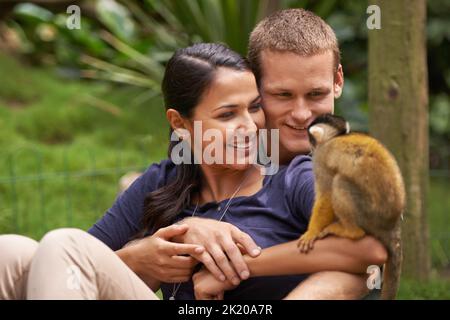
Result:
<point x="80" y="137"/>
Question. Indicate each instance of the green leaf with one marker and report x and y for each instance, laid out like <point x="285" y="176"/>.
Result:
<point x="440" y="114"/>
<point x="33" y="12"/>
<point x="116" y="18"/>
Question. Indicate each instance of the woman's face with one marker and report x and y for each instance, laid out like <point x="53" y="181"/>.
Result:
<point x="230" y="115"/>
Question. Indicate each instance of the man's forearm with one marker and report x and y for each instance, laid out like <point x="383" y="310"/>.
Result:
<point x="329" y="254"/>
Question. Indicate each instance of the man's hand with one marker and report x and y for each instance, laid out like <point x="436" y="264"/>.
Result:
<point x="223" y="243"/>
<point x="207" y="287"/>
<point x="158" y="258"/>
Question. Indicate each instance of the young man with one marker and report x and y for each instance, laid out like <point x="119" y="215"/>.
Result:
<point x="296" y="60"/>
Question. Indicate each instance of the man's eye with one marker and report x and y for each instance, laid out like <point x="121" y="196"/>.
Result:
<point x="283" y="94"/>
<point x="315" y="94"/>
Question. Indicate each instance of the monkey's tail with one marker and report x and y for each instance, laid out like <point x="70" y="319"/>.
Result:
<point x="392" y="270"/>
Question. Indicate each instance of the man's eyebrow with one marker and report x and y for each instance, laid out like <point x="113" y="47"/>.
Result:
<point x="235" y="105"/>
<point x="320" y="89"/>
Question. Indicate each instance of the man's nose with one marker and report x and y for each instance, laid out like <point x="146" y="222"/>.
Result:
<point x="300" y="112"/>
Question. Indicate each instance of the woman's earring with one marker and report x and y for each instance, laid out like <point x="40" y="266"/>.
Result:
<point x="180" y="134"/>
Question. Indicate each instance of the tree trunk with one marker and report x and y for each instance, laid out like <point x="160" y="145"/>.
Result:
<point x="398" y="100"/>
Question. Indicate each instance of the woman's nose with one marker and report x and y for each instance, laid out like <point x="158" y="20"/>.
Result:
<point x="247" y="126"/>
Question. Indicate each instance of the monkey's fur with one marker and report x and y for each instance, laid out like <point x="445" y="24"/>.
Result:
<point x="359" y="189"/>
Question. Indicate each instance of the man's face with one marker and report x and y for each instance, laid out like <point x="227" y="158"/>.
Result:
<point x="295" y="90"/>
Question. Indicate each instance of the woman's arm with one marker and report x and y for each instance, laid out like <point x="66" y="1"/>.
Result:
<point x="222" y="242"/>
<point x="127" y="255"/>
<point x="156" y="259"/>
<point x="329" y="254"/>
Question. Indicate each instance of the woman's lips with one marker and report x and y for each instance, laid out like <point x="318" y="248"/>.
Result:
<point x="240" y="146"/>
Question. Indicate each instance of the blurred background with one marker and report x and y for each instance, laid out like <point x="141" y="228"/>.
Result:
<point x="81" y="108"/>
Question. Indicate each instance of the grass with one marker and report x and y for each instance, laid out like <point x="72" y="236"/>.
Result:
<point x="50" y="126"/>
<point x="434" y="289"/>
<point x="439" y="222"/>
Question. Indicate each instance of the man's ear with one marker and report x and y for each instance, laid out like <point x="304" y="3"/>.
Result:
<point x="338" y="82"/>
<point x="176" y="121"/>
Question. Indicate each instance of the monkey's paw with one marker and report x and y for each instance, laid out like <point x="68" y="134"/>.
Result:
<point x="306" y="241"/>
<point x="323" y="234"/>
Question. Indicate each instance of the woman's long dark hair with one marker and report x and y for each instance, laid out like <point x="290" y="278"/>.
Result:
<point x="189" y="72"/>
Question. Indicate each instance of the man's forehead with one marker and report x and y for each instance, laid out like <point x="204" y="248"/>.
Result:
<point x="288" y="59"/>
<point x="294" y="84"/>
<point x="287" y="69"/>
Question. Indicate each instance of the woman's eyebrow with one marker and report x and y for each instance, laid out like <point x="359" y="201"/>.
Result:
<point x="226" y="106"/>
<point x="236" y="105"/>
<point x="254" y="100"/>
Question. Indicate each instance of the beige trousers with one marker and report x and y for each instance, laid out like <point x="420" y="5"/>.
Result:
<point x="66" y="264"/>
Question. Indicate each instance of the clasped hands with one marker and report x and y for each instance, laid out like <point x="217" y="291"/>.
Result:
<point x="171" y="254"/>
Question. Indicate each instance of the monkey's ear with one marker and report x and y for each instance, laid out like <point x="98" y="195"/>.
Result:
<point x="317" y="132"/>
<point x="347" y="127"/>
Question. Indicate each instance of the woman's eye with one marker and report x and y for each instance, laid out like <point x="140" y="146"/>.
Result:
<point x="225" y="115"/>
<point x="315" y="94"/>
<point x="255" y="107"/>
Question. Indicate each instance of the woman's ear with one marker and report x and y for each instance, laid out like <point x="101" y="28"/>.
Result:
<point x="176" y="121"/>
<point x="338" y="82"/>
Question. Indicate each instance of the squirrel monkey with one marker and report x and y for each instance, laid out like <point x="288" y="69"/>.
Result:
<point x="359" y="189"/>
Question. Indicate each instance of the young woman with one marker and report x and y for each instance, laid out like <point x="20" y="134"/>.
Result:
<point x="211" y="85"/>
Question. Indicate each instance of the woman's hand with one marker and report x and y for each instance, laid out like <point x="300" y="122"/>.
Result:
<point x="158" y="258"/>
<point x="207" y="287"/>
<point x="224" y="244"/>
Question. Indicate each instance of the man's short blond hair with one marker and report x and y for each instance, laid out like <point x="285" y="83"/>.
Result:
<point x="294" y="30"/>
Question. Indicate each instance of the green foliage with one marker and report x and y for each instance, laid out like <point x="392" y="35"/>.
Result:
<point x="33" y="12"/>
<point x="80" y="137"/>
<point x="435" y="289"/>
<point x="117" y="18"/>
<point x="130" y="41"/>
<point x="438" y="209"/>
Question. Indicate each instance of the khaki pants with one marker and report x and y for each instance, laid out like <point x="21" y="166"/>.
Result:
<point x="66" y="264"/>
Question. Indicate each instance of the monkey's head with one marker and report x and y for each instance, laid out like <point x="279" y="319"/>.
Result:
<point x="326" y="127"/>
